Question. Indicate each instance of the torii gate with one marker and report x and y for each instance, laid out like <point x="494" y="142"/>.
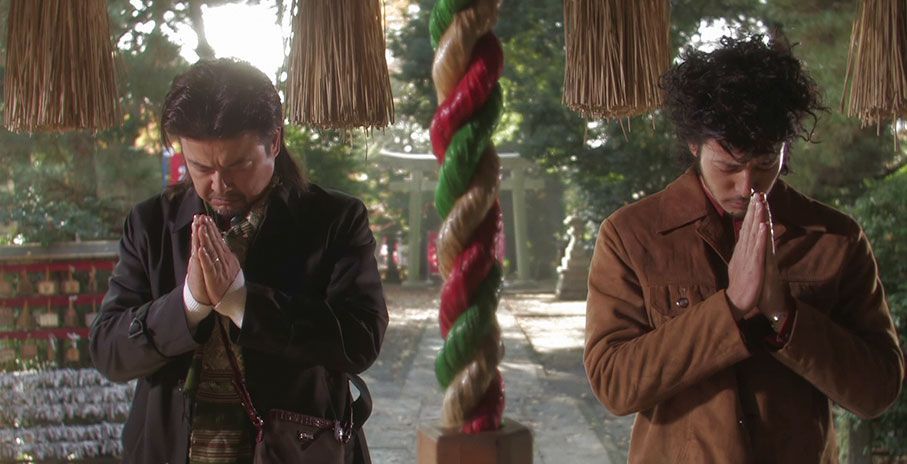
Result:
<point x="418" y="164"/>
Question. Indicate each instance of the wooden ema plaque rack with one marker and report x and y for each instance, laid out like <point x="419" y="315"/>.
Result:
<point x="49" y="297"/>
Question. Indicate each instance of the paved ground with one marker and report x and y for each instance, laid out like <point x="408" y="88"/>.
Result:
<point x="546" y="386"/>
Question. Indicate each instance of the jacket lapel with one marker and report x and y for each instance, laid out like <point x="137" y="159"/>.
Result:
<point x="714" y="232"/>
<point x="277" y="237"/>
<point x="180" y="232"/>
<point x="684" y="202"/>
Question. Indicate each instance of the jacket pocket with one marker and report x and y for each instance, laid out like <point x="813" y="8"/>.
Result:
<point x="667" y="301"/>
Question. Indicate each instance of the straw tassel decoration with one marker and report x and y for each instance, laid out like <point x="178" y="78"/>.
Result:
<point x="60" y="70"/>
<point x="616" y="51"/>
<point x="877" y="63"/>
<point x="338" y="75"/>
<point x="467" y="66"/>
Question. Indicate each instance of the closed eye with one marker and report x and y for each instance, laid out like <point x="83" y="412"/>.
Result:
<point x="728" y="168"/>
<point x="200" y="168"/>
<point x="768" y="165"/>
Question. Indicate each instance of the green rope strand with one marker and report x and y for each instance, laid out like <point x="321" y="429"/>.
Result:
<point x="441" y="17"/>
<point x="465" y="335"/>
<point x="465" y="152"/>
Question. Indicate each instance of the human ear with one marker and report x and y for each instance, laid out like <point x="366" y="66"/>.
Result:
<point x="275" y="144"/>
<point x="694" y="148"/>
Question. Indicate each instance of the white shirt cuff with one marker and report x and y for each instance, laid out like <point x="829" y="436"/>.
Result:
<point x="233" y="304"/>
<point x="195" y="311"/>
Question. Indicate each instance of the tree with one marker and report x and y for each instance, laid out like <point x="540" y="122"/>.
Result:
<point x="881" y="210"/>
<point x="832" y="170"/>
<point x="78" y="185"/>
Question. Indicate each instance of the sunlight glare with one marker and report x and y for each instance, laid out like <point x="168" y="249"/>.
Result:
<point x="711" y="30"/>
<point x="246" y="32"/>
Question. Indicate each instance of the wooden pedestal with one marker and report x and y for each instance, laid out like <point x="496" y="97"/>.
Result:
<point x="512" y="444"/>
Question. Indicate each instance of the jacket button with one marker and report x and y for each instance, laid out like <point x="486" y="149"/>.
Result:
<point x="682" y="303"/>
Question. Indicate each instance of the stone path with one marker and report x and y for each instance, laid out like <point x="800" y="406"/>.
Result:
<point x="545" y="384"/>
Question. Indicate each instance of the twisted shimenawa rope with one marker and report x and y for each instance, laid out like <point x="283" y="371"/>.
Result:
<point x="468" y="63"/>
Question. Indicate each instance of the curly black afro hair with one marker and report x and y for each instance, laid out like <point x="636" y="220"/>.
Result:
<point x="748" y="95"/>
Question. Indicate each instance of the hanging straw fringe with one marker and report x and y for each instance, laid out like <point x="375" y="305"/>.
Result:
<point x="616" y="51"/>
<point x="60" y="72"/>
<point x="877" y="63"/>
<point x="338" y="74"/>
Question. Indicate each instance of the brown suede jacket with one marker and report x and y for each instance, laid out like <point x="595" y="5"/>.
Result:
<point x="661" y="340"/>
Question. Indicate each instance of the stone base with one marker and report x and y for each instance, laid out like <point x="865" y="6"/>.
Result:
<point x="512" y="444"/>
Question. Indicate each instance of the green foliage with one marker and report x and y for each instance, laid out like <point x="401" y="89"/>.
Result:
<point x="881" y="211"/>
<point x="624" y="169"/>
<point x="337" y="160"/>
<point x="46" y="220"/>
<point x="326" y="158"/>
<point x="63" y="187"/>
<point x="833" y="169"/>
<point x="605" y="165"/>
<point x="79" y="185"/>
<point x="534" y="123"/>
<point x="414" y="96"/>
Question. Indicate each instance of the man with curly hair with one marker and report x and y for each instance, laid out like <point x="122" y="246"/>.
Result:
<point x="728" y="310"/>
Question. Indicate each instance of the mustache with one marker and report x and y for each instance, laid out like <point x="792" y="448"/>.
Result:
<point x="225" y="197"/>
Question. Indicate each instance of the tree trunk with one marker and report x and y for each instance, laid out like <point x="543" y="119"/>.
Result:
<point x="84" y="178"/>
<point x="203" y="50"/>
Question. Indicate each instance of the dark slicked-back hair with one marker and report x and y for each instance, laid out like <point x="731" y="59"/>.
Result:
<point x="748" y="95"/>
<point x="219" y="99"/>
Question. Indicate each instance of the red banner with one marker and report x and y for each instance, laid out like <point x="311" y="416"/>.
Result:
<point x="177" y="168"/>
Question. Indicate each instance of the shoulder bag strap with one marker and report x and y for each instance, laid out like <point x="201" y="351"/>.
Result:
<point x="361" y="408"/>
<point x="239" y="384"/>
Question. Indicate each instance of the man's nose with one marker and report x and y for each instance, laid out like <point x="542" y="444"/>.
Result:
<point x="744" y="182"/>
<point x="219" y="182"/>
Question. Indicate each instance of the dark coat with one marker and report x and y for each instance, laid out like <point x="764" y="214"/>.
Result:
<point x="315" y="310"/>
<point x="661" y="339"/>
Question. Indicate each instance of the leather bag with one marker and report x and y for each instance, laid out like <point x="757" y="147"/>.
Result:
<point x="291" y="437"/>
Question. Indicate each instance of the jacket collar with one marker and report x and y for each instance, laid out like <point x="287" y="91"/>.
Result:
<point x="684" y="202"/>
<point x="189" y="205"/>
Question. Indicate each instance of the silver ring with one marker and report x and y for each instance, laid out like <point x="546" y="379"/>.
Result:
<point x="216" y="260"/>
